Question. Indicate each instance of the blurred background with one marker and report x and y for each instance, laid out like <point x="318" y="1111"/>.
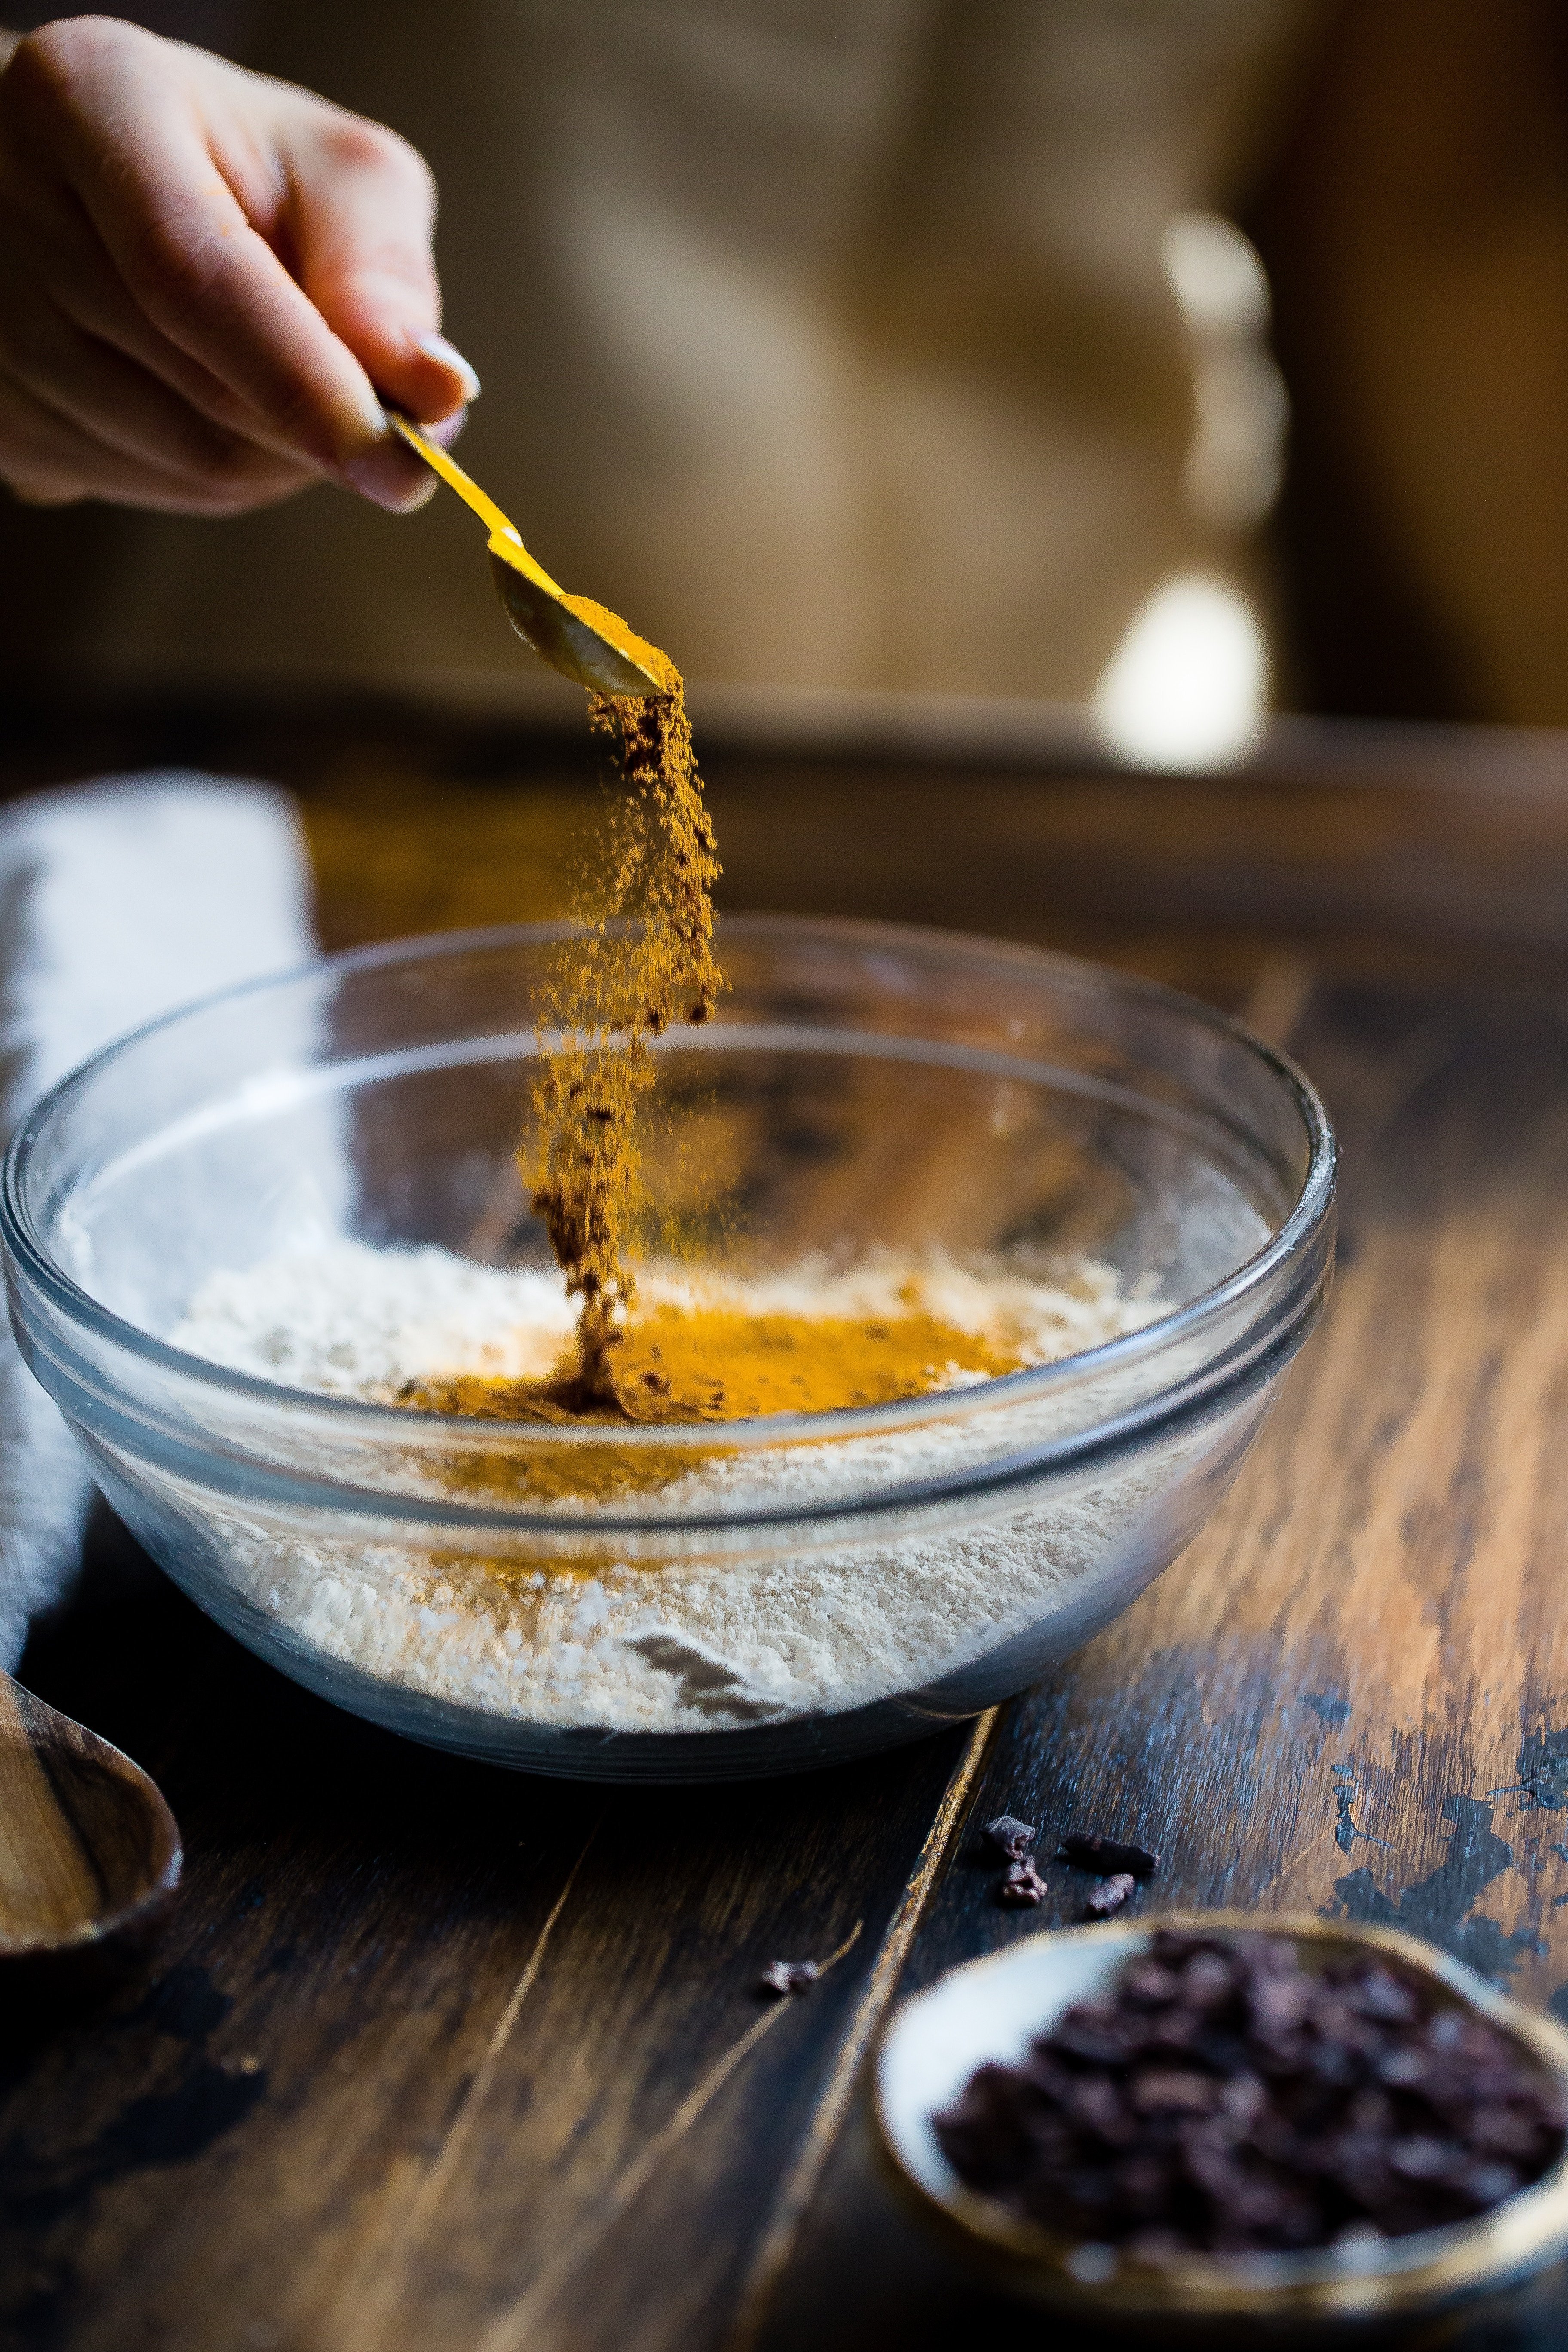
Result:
<point x="974" y="367"/>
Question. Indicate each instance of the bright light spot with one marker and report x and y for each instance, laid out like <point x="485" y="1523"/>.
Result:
<point x="1187" y="687"/>
<point x="1215" y="275"/>
<point x="1237" y="460"/>
<point x="1240" y="410"/>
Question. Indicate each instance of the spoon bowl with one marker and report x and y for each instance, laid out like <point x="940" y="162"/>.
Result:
<point x="89" y="1850"/>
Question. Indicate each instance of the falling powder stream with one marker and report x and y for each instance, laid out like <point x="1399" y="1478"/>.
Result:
<point x="642" y="961"/>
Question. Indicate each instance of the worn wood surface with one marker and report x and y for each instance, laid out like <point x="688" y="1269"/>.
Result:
<point x="433" y="2056"/>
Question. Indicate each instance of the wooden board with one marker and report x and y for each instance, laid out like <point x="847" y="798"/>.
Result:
<point x="430" y="2055"/>
<point x="1351" y="1696"/>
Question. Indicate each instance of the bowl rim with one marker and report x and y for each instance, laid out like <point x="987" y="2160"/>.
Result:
<point x="1453" y="2258"/>
<point x="1313" y="1201"/>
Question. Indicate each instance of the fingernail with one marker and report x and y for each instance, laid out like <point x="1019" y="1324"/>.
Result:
<point x="371" y="415"/>
<point x="437" y="347"/>
<point x="390" y="477"/>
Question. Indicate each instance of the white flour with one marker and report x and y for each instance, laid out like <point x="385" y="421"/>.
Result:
<point x="658" y="1646"/>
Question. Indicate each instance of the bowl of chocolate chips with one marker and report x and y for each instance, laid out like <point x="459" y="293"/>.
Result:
<point x="1203" y="2120"/>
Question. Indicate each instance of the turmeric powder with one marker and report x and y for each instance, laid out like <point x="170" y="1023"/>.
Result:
<point x="641" y="961"/>
<point x="674" y="1364"/>
<point x="614" y="989"/>
<point x="719" y="1363"/>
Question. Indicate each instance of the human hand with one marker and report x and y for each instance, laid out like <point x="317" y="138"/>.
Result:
<point x="204" y="274"/>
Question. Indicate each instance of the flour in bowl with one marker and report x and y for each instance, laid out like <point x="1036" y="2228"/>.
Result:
<point x="818" y="1623"/>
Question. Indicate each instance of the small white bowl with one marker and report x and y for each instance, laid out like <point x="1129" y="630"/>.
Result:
<point x="991" y="2010"/>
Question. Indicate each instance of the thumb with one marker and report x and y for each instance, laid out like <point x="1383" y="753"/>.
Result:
<point x="362" y="214"/>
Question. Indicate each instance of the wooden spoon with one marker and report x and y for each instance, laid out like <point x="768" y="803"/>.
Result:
<point x="579" y="638"/>
<point x="88" y="1849"/>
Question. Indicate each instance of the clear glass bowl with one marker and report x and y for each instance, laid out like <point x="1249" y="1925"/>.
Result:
<point x="682" y="1603"/>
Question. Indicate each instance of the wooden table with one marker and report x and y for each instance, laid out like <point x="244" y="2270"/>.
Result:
<point x="433" y="2057"/>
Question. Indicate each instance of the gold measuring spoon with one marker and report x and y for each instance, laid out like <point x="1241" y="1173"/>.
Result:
<point x="575" y="635"/>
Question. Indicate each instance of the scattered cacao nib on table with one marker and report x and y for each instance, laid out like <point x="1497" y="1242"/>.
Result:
<point x="1021" y="1883"/>
<point x="1219" y="2097"/>
<point x="1108" y="1856"/>
<point x="1121" y="1865"/>
<point x="1012" y="1839"/>
<point x="788" y="1976"/>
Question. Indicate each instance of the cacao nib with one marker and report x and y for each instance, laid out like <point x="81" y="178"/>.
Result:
<point x="1012" y="1839"/>
<point x="789" y="1975"/>
<point x="1108" y="1856"/>
<point x="1110" y="1895"/>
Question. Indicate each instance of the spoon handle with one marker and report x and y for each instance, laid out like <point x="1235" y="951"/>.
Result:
<point x="468" y="490"/>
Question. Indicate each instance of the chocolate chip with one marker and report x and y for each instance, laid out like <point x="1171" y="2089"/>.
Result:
<point x="1167" y="2092"/>
<point x="1147" y="1985"/>
<point x="1488" y="2184"/>
<point x="1012" y="1839"/>
<point x="1214" y="1988"/>
<point x="1110" y="1896"/>
<point x="1096" y="2101"/>
<point x="1083" y="2034"/>
<point x="1021" y="1883"/>
<point x="789" y="1975"/>
<point x="1421" y="2157"/>
<point x="1108" y="1856"/>
<point x="1384" y="1997"/>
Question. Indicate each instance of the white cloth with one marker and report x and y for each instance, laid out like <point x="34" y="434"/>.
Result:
<point x="119" y="899"/>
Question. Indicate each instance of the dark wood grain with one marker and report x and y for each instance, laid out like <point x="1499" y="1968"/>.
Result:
<point x="435" y="2056"/>
<point x="416" y="2017"/>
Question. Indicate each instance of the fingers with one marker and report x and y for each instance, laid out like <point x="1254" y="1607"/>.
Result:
<point x="212" y="288"/>
<point x="94" y="357"/>
<point x="158" y="213"/>
<point x="135" y="148"/>
<point x="116" y="403"/>
<point x="71" y="273"/>
<point x="49" y="461"/>
<point x="361" y="211"/>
